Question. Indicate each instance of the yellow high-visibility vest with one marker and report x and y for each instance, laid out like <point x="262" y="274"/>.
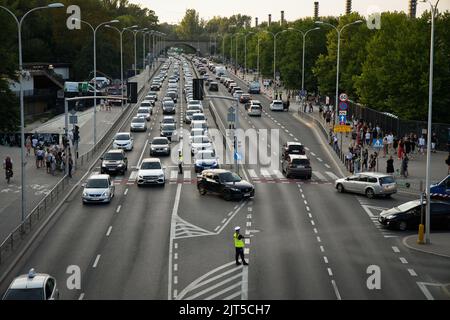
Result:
<point x="238" y="243"/>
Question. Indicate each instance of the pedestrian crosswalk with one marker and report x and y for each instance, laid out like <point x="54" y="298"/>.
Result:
<point x="260" y="175"/>
<point x="373" y="212"/>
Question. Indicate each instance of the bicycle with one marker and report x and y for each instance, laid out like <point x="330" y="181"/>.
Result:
<point x="9" y="174"/>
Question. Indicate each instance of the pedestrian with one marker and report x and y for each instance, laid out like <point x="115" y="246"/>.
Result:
<point x="348" y="160"/>
<point x="52" y="164"/>
<point x="407" y="146"/>
<point x="401" y="149"/>
<point x="239" y="246"/>
<point x="390" y="140"/>
<point x="365" y="159"/>
<point x="434" y="141"/>
<point x="48" y="159"/>
<point x="390" y="166"/>
<point x="372" y="162"/>
<point x="421" y="144"/>
<point x="385" y="146"/>
<point x="70" y="165"/>
<point x="405" y="166"/>
<point x="367" y="137"/>
<point x="180" y="162"/>
<point x="28" y="145"/>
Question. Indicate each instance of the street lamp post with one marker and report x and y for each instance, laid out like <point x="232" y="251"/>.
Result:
<point x="121" y="55"/>
<point x="245" y="52"/>
<point x="430" y="119"/>
<point x="338" y="55"/>
<point x="257" y="58"/>
<point x="94" y="30"/>
<point x="304" y="34"/>
<point x="275" y="56"/>
<point x="22" y="111"/>
<point x="135" y="32"/>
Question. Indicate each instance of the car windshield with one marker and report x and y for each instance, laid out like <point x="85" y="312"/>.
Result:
<point x="198" y="117"/>
<point x="191" y="112"/>
<point x="150" y="165"/>
<point x="168" y="120"/>
<point x="160" y="141"/>
<point x="142" y="111"/>
<point x="138" y="120"/>
<point x="97" y="184"/>
<point x="408" y="205"/>
<point x="113" y="156"/>
<point x="296" y="148"/>
<point x="122" y="137"/>
<point x="229" y="177"/>
<point x="168" y="126"/>
<point x="25" y="294"/>
<point x="206" y="155"/>
<point x="386" y="180"/>
<point x="300" y="162"/>
<point x="168" y="104"/>
<point x="200" y="139"/>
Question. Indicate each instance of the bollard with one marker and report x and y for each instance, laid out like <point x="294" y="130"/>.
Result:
<point x="420" y="240"/>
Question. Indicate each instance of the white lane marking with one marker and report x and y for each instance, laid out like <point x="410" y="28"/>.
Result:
<point x="173" y="175"/>
<point x="252" y="173"/>
<point x="315" y="231"/>
<point x="291" y="134"/>
<point x="425" y="290"/>
<point x="327" y="165"/>
<point x="332" y="175"/>
<point x="296" y="139"/>
<point x="336" y="291"/>
<point x="312" y="222"/>
<point x="396" y="250"/>
<point x="246" y="250"/>
<point x="310" y="215"/>
<point x="318" y="239"/>
<point x="278" y="174"/>
<point x="109" y="231"/>
<point x="303" y="196"/>
<point x="318" y="175"/>
<point x="250" y="209"/>
<point x="412" y="272"/>
<point x="307" y="149"/>
<point x="142" y="153"/>
<point x="247" y="241"/>
<point x="249" y="224"/>
<point x="175" y="267"/>
<point x="125" y="192"/>
<point x="175" y="256"/>
<point x="320" y="160"/>
<point x="306" y="202"/>
<point x="96" y="261"/>
<point x="81" y="296"/>
<point x="403" y="260"/>
<point x="118" y="208"/>
<point x="175" y="293"/>
<point x="313" y="154"/>
<point x="307" y="208"/>
<point x="265" y="173"/>
<point x="330" y="272"/>
<point x="172" y="236"/>
<point x="325" y="259"/>
<point x="187" y="175"/>
<point x="175" y="280"/>
<point x="221" y="283"/>
<point x="224" y="220"/>
<point x="133" y="176"/>
<point x="249" y="216"/>
<point x="217" y="228"/>
<point x="234" y="295"/>
<point x="322" y="249"/>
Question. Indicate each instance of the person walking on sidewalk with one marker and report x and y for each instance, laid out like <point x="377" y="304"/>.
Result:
<point x="70" y="165"/>
<point x="365" y="159"/>
<point x="401" y="149"/>
<point x="28" y="145"/>
<point x="421" y="144"/>
<point x="385" y="146"/>
<point x="372" y="163"/>
<point x="434" y="141"/>
<point x="48" y="159"/>
<point x="239" y="246"/>
<point x="367" y="136"/>
<point x="180" y="162"/>
<point x="404" y="170"/>
<point x="390" y="166"/>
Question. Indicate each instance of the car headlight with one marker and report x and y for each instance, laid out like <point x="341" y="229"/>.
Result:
<point x="153" y="148"/>
<point x="235" y="189"/>
<point x="140" y="177"/>
<point x="390" y="217"/>
<point x="120" y="165"/>
<point x="84" y="194"/>
<point x="161" y="176"/>
<point x="105" y="194"/>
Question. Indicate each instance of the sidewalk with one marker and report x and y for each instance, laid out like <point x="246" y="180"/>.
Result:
<point x="439" y="244"/>
<point x="38" y="181"/>
<point x="416" y="165"/>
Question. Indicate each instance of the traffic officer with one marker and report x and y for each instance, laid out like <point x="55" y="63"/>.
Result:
<point x="180" y="162"/>
<point x="239" y="245"/>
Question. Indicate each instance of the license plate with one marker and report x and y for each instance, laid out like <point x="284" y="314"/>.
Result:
<point x="247" y="194"/>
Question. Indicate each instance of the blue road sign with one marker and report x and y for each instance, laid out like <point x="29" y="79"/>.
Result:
<point x="343" y="105"/>
<point x="342" y="119"/>
<point x="378" y="143"/>
<point x="237" y="156"/>
<point x="302" y="93"/>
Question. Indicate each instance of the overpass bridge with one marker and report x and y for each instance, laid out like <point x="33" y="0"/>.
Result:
<point x="202" y="47"/>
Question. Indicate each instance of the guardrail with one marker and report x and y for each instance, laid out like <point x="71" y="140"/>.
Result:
<point x="42" y="209"/>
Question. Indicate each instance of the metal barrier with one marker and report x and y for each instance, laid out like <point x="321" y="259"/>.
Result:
<point x="42" y="209"/>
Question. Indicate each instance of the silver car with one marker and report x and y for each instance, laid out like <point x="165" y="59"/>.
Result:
<point x="32" y="286"/>
<point x="369" y="183"/>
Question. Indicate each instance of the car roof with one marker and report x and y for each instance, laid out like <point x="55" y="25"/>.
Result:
<point x="216" y="171"/>
<point x="165" y="138"/>
<point x="374" y="174"/>
<point x="25" y="282"/>
<point x="123" y="133"/>
<point x="255" y="101"/>
<point x="114" y="151"/>
<point x="278" y="101"/>
<point x="168" y="117"/>
<point x="151" y="160"/>
<point x="99" y="176"/>
<point x="293" y="143"/>
<point x="298" y="156"/>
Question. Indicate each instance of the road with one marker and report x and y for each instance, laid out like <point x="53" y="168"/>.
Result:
<point x="305" y="241"/>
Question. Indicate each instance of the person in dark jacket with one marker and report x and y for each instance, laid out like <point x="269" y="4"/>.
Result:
<point x="390" y="166"/>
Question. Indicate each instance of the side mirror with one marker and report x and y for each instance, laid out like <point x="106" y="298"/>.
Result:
<point x="101" y="158"/>
<point x="125" y="158"/>
<point x="83" y="185"/>
<point x="347" y="179"/>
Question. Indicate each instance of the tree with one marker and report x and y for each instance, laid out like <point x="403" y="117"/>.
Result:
<point x="190" y="26"/>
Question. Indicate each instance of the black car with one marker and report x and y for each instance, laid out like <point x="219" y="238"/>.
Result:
<point x="225" y="183"/>
<point x="160" y="145"/>
<point x="292" y="148"/>
<point x="114" y="161"/>
<point x="167" y="130"/>
<point x="408" y="215"/>
<point x="213" y="86"/>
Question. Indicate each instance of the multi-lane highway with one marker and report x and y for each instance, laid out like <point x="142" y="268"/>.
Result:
<point x="304" y="240"/>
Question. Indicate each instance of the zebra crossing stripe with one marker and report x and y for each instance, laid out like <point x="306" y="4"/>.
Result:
<point x="265" y="173"/>
<point x="319" y="175"/>
<point x="187" y="175"/>
<point x="332" y="175"/>
<point x="252" y="173"/>
<point x="173" y="175"/>
<point x="278" y="174"/>
<point x="133" y="176"/>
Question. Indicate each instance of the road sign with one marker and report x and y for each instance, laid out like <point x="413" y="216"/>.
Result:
<point x="231" y="117"/>
<point x="343" y="112"/>
<point x="342" y="120"/>
<point x="378" y="143"/>
<point x="237" y="156"/>
<point x="343" y="97"/>
<point x="73" y="112"/>
<point x="342" y="128"/>
<point x="343" y="105"/>
<point x="302" y="93"/>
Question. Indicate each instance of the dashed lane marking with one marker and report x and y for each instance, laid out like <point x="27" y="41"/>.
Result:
<point x="96" y="261"/>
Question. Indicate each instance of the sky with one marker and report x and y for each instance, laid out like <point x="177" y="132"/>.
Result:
<point x="172" y="11"/>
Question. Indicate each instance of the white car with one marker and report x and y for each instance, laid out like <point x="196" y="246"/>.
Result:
<point x="99" y="188"/>
<point x="200" y="143"/>
<point x="143" y="112"/>
<point x="198" y="117"/>
<point x="199" y="124"/>
<point x="151" y="172"/>
<point x="147" y="103"/>
<point x="196" y="132"/>
<point x="123" y="140"/>
<point x="138" y="124"/>
<point x="195" y="103"/>
<point x="32" y="286"/>
<point x="205" y="159"/>
<point x="237" y="94"/>
<point x="276" y="105"/>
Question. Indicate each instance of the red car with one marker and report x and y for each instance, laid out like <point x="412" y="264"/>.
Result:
<point x="245" y="97"/>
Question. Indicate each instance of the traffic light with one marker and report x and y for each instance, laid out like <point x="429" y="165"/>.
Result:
<point x="132" y="92"/>
<point x="197" y="86"/>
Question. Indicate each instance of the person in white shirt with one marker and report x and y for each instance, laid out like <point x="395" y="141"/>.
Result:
<point x="368" y="138"/>
<point x="421" y="144"/>
<point x="390" y="141"/>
